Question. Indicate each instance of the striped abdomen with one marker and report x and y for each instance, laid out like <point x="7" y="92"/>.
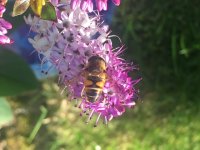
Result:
<point x="93" y="86"/>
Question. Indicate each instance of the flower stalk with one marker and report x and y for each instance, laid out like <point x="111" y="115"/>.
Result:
<point x="69" y="43"/>
<point x="4" y="25"/>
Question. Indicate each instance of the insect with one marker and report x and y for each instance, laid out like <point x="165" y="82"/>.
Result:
<point x="94" y="78"/>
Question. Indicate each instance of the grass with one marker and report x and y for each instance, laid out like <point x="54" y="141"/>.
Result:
<point x="160" y="37"/>
<point x="159" y="123"/>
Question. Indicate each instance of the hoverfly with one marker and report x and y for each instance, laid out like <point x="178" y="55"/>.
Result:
<point x="94" y="78"/>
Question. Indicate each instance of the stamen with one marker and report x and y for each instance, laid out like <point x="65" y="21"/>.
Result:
<point x="42" y="63"/>
<point x="49" y="69"/>
<point x="90" y="116"/>
<point x="61" y="93"/>
<point x="42" y="71"/>
<point x="79" y="106"/>
<point x="76" y="103"/>
<point x="60" y="80"/>
<point x="87" y="113"/>
<point x="96" y="123"/>
<point x="110" y="36"/>
<point x="105" y="120"/>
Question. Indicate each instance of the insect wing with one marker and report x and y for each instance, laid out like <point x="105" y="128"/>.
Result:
<point x="36" y="6"/>
<point x="20" y="7"/>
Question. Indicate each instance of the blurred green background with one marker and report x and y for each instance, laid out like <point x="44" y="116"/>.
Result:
<point x="163" y="39"/>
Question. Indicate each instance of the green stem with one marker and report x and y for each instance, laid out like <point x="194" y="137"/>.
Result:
<point x="38" y="124"/>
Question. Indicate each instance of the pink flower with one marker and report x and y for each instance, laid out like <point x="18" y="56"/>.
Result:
<point x="68" y="44"/>
<point x="4" y="25"/>
<point x="87" y="5"/>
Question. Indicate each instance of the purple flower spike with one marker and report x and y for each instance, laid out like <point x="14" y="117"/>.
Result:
<point x="68" y="44"/>
<point x="4" y="25"/>
<point x="116" y="2"/>
<point x="101" y="4"/>
<point x="87" y="5"/>
<point x="2" y="10"/>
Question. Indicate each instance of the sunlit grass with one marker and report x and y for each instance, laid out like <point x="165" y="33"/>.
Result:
<point x="150" y="125"/>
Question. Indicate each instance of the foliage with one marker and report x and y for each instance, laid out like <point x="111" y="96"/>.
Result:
<point x="5" y="111"/>
<point x="151" y="125"/>
<point x="48" y="12"/>
<point x="15" y="78"/>
<point x="41" y="8"/>
<point x="163" y="38"/>
<point x="15" y="75"/>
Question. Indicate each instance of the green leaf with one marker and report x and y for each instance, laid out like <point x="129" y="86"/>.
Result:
<point x="48" y="12"/>
<point x="15" y="75"/>
<point x="6" y="114"/>
<point x="38" y="124"/>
